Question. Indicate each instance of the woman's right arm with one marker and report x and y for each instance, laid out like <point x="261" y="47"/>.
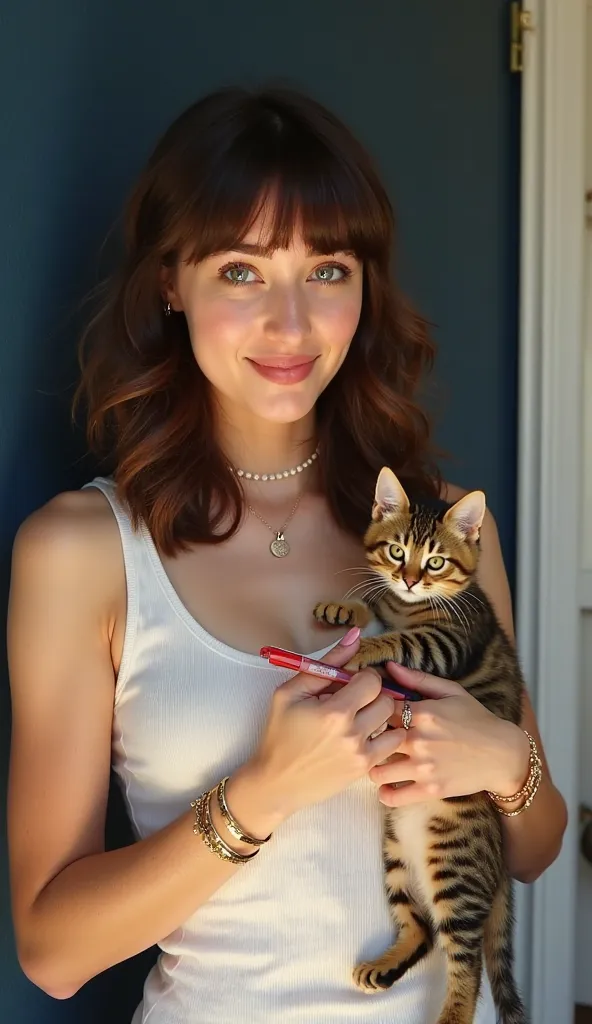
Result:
<point x="77" y="909"/>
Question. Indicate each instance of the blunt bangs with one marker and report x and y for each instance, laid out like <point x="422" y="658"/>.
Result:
<point x="270" y="162"/>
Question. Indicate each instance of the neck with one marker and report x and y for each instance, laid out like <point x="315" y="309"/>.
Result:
<point x="266" y="448"/>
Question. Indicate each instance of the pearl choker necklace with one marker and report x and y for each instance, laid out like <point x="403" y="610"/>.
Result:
<point x="284" y="473"/>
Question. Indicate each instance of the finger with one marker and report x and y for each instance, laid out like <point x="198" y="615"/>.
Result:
<point x="363" y="688"/>
<point x="385" y="745"/>
<point x="403" y="796"/>
<point x="393" y="773"/>
<point x="302" y="685"/>
<point x="374" y="715"/>
<point x="428" y="686"/>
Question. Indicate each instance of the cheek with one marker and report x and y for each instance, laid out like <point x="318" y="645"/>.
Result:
<point x="442" y="586"/>
<point x="337" y="319"/>
<point x="217" y="330"/>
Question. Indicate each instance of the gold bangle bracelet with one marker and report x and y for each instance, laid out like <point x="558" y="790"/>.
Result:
<point x="205" y="828"/>
<point x="230" y="821"/>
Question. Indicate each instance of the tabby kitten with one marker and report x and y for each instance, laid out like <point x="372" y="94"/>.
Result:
<point x="444" y="870"/>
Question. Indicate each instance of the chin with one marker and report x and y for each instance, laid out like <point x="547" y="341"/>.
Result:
<point x="285" y="409"/>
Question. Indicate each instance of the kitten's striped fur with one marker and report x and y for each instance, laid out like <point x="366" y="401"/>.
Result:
<point x="445" y="876"/>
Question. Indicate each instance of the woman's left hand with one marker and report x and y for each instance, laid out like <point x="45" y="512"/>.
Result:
<point x="453" y="747"/>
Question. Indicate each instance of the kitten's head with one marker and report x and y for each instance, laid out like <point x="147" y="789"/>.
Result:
<point x="419" y="553"/>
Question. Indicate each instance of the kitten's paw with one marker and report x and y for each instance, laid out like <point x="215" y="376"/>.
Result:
<point x="346" y="613"/>
<point x="370" y="978"/>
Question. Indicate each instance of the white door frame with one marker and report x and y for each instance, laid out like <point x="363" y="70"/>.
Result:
<point x="550" y="468"/>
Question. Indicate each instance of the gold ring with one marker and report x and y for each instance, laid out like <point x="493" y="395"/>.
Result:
<point x="406" y="715"/>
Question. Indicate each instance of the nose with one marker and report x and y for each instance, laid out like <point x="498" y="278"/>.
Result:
<point x="410" y="582"/>
<point x="288" y="317"/>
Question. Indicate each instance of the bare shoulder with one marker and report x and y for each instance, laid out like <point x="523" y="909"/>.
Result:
<point x="73" y="522"/>
<point x="73" y="535"/>
<point x="70" y="517"/>
<point x="452" y="492"/>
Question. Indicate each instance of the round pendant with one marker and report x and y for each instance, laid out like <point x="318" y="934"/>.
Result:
<point x="279" y="546"/>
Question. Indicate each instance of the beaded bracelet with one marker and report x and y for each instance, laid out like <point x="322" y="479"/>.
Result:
<point x="530" y="787"/>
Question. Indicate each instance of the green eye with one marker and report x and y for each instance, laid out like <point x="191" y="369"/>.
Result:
<point x="436" y="562"/>
<point x="396" y="552"/>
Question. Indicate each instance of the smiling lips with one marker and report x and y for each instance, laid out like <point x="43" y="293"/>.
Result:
<point x="284" y="369"/>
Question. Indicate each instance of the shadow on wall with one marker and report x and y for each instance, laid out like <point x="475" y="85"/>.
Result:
<point x="60" y="187"/>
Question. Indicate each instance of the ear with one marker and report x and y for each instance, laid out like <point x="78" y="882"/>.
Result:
<point x="389" y="496"/>
<point x="168" y="290"/>
<point x="466" y="515"/>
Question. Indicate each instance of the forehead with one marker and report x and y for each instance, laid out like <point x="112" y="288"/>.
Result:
<point x="423" y="524"/>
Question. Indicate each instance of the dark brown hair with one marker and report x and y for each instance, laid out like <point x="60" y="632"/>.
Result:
<point x="149" y="406"/>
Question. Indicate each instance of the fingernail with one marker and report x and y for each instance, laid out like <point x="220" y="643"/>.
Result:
<point x="350" y="637"/>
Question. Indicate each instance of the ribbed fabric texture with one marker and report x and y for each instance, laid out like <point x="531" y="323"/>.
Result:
<point x="279" y="940"/>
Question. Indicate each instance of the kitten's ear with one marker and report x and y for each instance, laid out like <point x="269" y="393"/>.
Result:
<point x="389" y="496"/>
<point x="466" y="515"/>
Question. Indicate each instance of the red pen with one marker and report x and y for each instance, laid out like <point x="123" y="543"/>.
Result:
<point x="301" y="663"/>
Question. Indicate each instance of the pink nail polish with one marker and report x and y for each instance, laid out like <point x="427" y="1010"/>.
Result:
<point x="350" y="637"/>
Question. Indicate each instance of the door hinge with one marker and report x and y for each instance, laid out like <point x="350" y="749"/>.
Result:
<point x="521" y="21"/>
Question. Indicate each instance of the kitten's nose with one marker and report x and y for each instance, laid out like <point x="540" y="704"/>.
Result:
<point x="410" y="582"/>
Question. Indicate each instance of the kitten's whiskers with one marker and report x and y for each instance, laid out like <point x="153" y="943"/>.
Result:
<point x="355" y="568"/>
<point x="373" y="592"/>
<point x="444" y="607"/>
<point x="460" y="614"/>
<point x="471" y="600"/>
<point x="436" y="606"/>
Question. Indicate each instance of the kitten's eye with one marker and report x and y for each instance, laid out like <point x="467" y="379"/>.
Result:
<point x="396" y="552"/>
<point x="436" y="562"/>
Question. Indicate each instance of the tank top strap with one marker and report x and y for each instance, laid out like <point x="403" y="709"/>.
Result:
<point x="132" y="549"/>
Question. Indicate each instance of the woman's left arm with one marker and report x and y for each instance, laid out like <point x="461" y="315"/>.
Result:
<point x="533" y="839"/>
<point x="457" y="744"/>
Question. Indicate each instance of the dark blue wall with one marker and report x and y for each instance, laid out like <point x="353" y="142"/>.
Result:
<point x="86" y="87"/>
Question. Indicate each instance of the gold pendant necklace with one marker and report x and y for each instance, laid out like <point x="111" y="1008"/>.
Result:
<point x="279" y="546"/>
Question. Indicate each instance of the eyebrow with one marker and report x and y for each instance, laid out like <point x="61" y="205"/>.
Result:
<point x="254" y="249"/>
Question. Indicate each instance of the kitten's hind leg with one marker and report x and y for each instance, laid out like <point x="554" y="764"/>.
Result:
<point x="343" y="613"/>
<point x="414" y="936"/>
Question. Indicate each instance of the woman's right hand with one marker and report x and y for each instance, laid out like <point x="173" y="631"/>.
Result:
<point x="316" y="744"/>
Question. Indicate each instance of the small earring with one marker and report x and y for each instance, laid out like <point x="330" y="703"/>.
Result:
<point x="167" y="309"/>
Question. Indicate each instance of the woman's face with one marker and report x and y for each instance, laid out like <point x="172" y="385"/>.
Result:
<point x="269" y="333"/>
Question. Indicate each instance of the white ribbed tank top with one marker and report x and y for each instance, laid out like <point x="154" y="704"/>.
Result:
<point x="278" y="941"/>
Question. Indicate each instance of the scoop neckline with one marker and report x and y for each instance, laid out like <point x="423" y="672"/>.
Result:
<point x="192" y="624"/>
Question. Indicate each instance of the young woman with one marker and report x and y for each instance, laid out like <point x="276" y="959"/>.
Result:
<point x="250" y="371"/>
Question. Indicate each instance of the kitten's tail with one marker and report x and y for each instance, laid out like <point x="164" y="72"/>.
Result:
<point x="499" y="956"/>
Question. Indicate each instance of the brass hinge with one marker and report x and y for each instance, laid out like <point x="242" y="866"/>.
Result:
<point x="521" y="21"/>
